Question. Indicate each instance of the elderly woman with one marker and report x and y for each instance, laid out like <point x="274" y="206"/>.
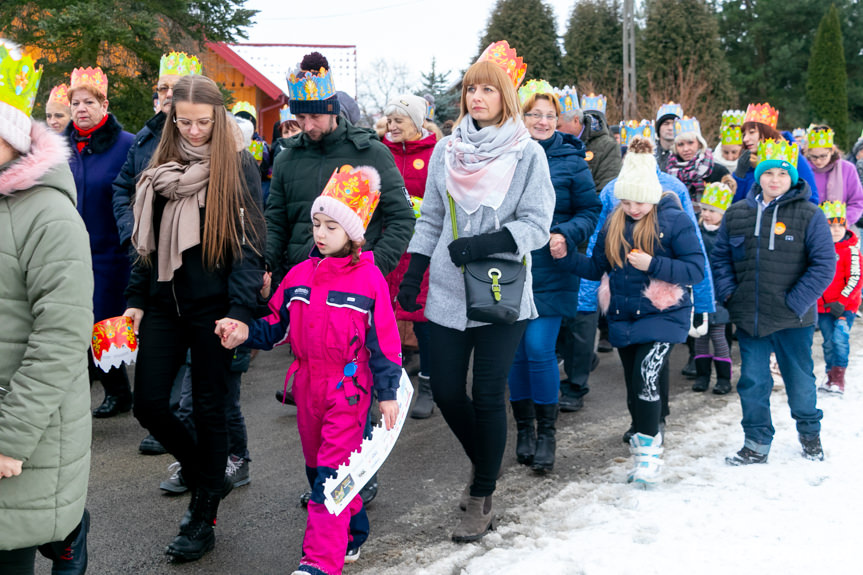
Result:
<point x="692" y="161"/>
<point x="99" y="148"/>
<point x="534" y="380"/>
<point x="837" y="179"/>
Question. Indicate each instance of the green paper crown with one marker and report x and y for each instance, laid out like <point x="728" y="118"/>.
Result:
<point x="179" y="64"/>
<point x="717" y="196"/>
<point x="244" y="107"/>
<point x="820" y="138"/>
<point x="731" y="135"/>
<point x="732" y="118"/>
<point x="19" y="78"/>
<point x="532" y="87"/>
<point x="782" y="150"/>
<point x="835" y="212"/>
<point x="256" y="148"/>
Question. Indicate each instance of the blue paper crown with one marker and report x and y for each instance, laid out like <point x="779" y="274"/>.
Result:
<point x="285" y="115"/>
<point x="630" y="129"/>
<point x="669" y="109"/>
<point x="594" y="102"/>
<point x="306" y="86"/>
<point x="686" y="125"/>
<point x="429" y="111"/>
<point x="568" y="98"/>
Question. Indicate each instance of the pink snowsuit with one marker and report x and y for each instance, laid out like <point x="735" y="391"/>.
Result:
<point x="339" y="314"/>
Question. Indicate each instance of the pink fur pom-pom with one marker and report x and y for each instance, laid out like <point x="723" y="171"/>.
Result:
<point x="372" y="175"/>
<point x="662" y="294"/>
<point x="603" y="295"/>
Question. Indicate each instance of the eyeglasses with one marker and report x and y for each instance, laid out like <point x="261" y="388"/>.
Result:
<point x="537" y="116"/>
<point x="186" y="124"/>
<point x="819" y="157"/>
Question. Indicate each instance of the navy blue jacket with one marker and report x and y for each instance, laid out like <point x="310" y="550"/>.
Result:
<point x="576" y="211"/>
<point x="677" y="259"/>
<point x="745" y="174"/>
<point x="94" y="169"/>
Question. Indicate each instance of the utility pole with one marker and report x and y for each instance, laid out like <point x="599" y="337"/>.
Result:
<point x="629" y="87"/>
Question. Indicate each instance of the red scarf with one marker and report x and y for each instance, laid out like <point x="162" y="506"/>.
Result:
<point x="83" y="136"/>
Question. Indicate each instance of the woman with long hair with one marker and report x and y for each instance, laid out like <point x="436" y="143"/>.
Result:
<point x="490" y="181"/>
<point x="199" y="236"/>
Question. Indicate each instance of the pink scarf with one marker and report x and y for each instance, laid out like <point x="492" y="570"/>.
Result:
<point x="835" y="180"/>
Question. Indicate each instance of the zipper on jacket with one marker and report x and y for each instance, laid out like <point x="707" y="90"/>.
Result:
<point x="243" y="225"/>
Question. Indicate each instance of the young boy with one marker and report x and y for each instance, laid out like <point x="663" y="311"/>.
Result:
<point x="838" y="307"/>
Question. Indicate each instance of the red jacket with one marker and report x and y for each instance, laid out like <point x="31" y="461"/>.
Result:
<point x="846" y="284"/>
<point x="412" y="160"/>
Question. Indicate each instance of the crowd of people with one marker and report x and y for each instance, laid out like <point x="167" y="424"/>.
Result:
<point x="500" y="252"/>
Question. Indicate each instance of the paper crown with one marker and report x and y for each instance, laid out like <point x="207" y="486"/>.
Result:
<point x="430" y="109"/>
<point x="819" y="138"/>
<point x="256" y="148"/>
<point x="416" y="204"/>
<point x="357" y="188"/>
<point x="501" y="54"/>
<point x="781" y="150"/>
<point x="91" y="78"/>
<point x="114" y="343"/>
<point x="59" y="95"/>
<point x="762" y="114"/>
<point x="306" y="86"/>
<point x="568" y="99"/>
<point x="285" y="115"/>
<point x="834" y="211"/>
<point x="246" y="107"/>
<point x="717" y="196"/>
<point x="686" y="125"/>
<point x="179" y="64"/>
<point x="532" y="87"/>
<point x="798" y="133"/>
<point x="593" y="101"/>
<point x="669" y="109"/>
<point x="731" y="135"/>
<point x="732" y="118"/>
<point x="630" y="129"/>
<point x="19" y="78"/>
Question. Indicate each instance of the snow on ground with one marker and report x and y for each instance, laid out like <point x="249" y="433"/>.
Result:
<point x="789" y="516"/>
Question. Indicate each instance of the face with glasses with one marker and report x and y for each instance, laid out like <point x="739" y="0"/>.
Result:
<point x="195" y="122"/>
<point x="819" y="157"/>
<point x="541" y="119"/>
<point x="164" y="88"/>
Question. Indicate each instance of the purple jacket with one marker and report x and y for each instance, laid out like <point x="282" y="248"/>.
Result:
<point x="853" y="196"/>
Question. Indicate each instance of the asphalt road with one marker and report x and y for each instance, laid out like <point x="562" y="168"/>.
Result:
<point x="261" y="525"/>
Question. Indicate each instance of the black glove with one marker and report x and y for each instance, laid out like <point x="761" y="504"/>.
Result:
<point x="466" y="250"/>
<point x="836" y="309"/>
<point x="697" y="320"/>
<point x="409" y="289"/>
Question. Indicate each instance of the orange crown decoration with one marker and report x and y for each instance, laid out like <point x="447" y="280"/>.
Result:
<point x="93" y="78"/>
<point x="501" y="54"/>
<point x="762" y="114"/>
<point x="350" y="197"/>
<point x="59" y="95"/>
<point x="114" y="343"/>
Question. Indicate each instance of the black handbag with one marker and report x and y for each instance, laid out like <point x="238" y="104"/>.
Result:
<point x="493" y="286"/>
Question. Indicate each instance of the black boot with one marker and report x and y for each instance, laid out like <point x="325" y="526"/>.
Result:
<point x="702" y="374"/>
<point x="689" y="369"/>
<point x="198" y="536"/>
<point x="525" y="422"/>
<point x="723" y="376"/>
<point x="424" y="405"/>
<point x="546" y="417"/>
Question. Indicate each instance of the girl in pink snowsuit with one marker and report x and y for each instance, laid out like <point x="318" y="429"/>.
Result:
<point x="345" y="340"/>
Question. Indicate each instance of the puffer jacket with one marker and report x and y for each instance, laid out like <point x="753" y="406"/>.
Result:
<point x="46" y="302"/>
<point x="709" y="239"/>
<point x="633" y="317"/>
<point x="845" y="287"/>
<point x="337" y="312"/>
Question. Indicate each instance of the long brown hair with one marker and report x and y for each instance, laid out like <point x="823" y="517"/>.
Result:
<point x="228" y="218"/>
<point x="645" y="234"/>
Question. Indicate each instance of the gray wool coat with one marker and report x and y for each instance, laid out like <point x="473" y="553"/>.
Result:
<point x="526" y="212"/>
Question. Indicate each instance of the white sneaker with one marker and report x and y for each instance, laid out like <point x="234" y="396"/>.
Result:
<point x="352" y="555"/>
<point x="648" y="463"/>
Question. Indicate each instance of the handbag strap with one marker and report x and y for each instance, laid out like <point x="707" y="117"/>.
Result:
<point x="455" y="226"/>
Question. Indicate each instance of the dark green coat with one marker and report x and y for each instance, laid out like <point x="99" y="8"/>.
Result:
<point x="299" y="175"/>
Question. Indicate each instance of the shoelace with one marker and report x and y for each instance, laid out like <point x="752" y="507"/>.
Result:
<point x="232" y="468"/>
<point x="174" y="468"/>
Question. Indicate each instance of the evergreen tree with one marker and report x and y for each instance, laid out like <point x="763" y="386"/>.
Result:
<point x="530" y="27"/>
<point x="125" y="37"/>
<point x="446" y="96"/>
<point x="826" y="81"/>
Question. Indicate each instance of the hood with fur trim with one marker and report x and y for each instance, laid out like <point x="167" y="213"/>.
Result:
<point x="46" y="164"/>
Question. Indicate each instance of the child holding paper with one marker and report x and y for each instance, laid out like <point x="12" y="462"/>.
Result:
<point x="344" y="337"/>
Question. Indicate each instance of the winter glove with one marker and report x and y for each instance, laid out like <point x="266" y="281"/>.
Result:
<point x="836" y="309"/>
<point x="729" y="181"/>
<point x="699" y="325"/>
<point x="465" y="250"/>
<point x="411" y="282"/>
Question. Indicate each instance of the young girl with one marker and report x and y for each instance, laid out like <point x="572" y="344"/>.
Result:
<point x="716" y="199"/>
<point x="344" y="337"/>
<point x="198" y="232"/>
<point x="650" y="251"/>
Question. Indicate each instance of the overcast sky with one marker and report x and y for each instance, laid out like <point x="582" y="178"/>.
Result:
<point x="410" y="31"/>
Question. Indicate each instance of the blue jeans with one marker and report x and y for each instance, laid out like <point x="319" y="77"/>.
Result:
<point x="534" y="373"/>
<point x="793" y="348"/>
<point x="837" y="338"/>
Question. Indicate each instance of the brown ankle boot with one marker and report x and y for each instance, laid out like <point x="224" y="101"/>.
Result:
<point x="478" y="520"/>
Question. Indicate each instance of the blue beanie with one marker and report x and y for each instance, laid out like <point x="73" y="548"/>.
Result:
<point x="328" y="106"/>
<point x="776" y="163"/>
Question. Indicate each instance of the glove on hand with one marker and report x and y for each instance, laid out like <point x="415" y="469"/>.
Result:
<point x="466" y="250"/>
<point x="411" y="282"/>
<point x="836" y="309"/>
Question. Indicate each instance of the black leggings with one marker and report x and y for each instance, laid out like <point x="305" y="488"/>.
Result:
<point x="478" y="421"/>
<point x="643" y="367"/>
<point x="23" y="561"/>
<point x="165" y="337"/>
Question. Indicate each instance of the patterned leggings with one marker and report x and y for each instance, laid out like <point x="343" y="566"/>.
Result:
<point x="716" y="334"/>
<point x="642" y="369"/>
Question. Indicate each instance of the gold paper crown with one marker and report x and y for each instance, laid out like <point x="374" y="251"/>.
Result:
<point x="501" y="54"/>
<point x="731" y="135"/>
<point x="532" y="87"/>
<point x="246" y="107"/>
<point x="834" y="211"/>
<point x="92" y="78"/>
<point x="308" y="86"/>
<point x="358" y="188"/>
<point x="19" y="78"/>
<point x="762" y="114"/>
<point x="732" y="118"/>
<point x="59" y="95"/>
<point x="717" y="196"/>
<point x="781" y="150"/>
<point x="820" y="138"/>
<point x="179" y="64"/>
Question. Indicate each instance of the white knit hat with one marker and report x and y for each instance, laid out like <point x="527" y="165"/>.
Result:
<point x="15" y="127"/>
<point x="411" y="106"/>
<point x="638" y="181"/>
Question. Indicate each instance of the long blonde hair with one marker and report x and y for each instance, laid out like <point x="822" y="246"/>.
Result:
<point x="645" y="234"/>
<point x="226" y="191"/>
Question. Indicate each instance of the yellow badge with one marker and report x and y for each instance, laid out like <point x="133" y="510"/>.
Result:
<point x="588" y="156"/>
<point x="419" y="164"/>
<point x="779" y="229"/>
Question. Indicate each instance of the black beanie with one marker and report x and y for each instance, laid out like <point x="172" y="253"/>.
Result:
<point x="328" y="106"/>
